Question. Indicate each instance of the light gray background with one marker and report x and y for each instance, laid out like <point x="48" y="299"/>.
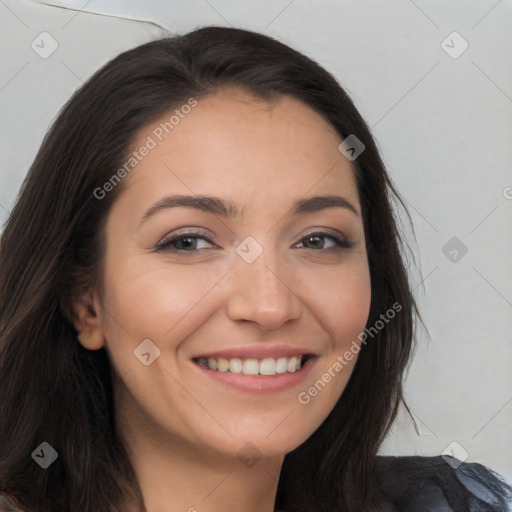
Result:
<point x="444" y="126"/>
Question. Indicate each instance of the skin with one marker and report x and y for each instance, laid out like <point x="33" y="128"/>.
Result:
<point x="183" y="429"/>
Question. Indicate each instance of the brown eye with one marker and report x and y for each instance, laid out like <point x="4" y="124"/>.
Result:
<point x="315" y="242"/>
<point x="324" y="241"/>
<point x="184" y="243"/>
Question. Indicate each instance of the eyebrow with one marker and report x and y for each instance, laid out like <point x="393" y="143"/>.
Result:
<point x="228" y="209"/>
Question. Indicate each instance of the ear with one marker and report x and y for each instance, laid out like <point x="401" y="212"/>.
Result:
<point x="88" y="325"/>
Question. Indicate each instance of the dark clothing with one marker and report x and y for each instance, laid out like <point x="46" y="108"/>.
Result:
<point x="440" y="484"/>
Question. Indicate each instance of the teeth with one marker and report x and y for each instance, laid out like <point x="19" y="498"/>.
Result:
<point x="222" y="365"/>
<point x="281" y="365"/>
<point x="235" y="365"/>
<point x="251" y="366"/>
<point x="291" y="364"/>
<point x="268" y="366"/>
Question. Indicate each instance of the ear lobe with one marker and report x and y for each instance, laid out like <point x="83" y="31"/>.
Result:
<point x="88" y="325"/>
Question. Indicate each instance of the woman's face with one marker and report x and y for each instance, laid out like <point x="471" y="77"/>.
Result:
<point x="252" y="279"/>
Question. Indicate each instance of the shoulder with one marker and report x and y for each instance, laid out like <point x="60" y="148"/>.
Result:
<point x="438" y="484"/>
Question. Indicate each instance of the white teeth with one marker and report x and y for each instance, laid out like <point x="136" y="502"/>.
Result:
<point x="281" y="365"/>
<point x="268" y="366"/>
<point x="291" y="364"/>
<point x="222" y="365"/>
<point x="251" y="366"/>
<point x="235" y="365"/>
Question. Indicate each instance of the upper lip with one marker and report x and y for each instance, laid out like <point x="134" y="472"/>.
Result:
<point x="258" y="352"/>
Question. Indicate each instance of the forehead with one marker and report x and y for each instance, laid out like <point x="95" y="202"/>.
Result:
<point x="234" y="142"/>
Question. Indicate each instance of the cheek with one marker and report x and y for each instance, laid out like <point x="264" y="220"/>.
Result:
<point x="341" y="300"/>
<point x="153" y="301"/>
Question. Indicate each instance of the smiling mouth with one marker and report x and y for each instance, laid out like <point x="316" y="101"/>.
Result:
<point x="251" y="366"/>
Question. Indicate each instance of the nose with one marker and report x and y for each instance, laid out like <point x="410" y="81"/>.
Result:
<point x="262" y="293"/>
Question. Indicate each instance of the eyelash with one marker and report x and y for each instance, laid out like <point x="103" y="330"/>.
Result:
<point x="165" y="244"/>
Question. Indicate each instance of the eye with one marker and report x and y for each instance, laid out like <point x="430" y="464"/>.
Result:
<point x="184" y="242"/>
<point x="194" y="241"/>
<point x="324" y="241"/>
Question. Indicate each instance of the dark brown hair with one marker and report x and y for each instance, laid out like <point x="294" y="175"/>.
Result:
<point x="54" y="390"/>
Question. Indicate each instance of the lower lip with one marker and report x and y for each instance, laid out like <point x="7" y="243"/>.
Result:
<point x="261" y="383"/>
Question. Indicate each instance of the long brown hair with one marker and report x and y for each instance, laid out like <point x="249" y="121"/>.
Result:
<point x="53" y="390"/>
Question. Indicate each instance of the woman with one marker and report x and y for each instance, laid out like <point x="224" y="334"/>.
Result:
<point x="203" y="299"/>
